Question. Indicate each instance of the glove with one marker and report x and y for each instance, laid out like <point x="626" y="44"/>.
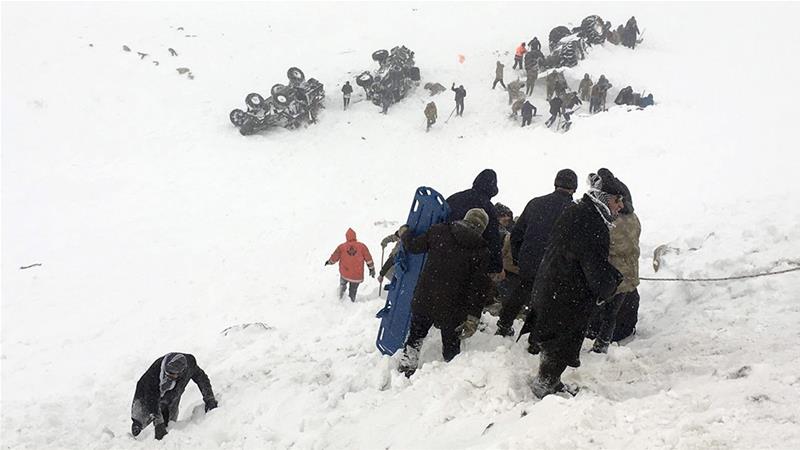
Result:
<point x="468" y="328"/>
<point x="372" y="273"/>
<point x="402" y="230"/>
<point x="380" y="278"/>
<point x="211" y="404"/>
<point x="136" y="427"/>
<point x="161" y="431"/>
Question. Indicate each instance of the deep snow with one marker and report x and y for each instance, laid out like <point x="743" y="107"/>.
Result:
<point x="157" y="225"/>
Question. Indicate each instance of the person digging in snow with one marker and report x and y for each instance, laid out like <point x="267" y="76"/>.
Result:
<point x="528" y="111"/>
<point x="159" y="390"/>
<point x="453" y="286"/>
<point x="573" y="277"/>
<point x="351" y="256"/>
<point x="459" y="96"/>
<point x="555" y="110"/>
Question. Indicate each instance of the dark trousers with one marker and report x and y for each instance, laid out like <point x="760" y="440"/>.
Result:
<point x="430" y="122"/>
<point x="460" y="108"/>
<point x="526" y="120"/>
<point x="551" y="120"/>
<point x="420" y="325"/>
<point x="346" y="101"/>
<point x="520" y="295"/>
<point x="353" y="287"/>
<point x="517" y="62"/>
<point x="608" y="316"/>
<point x="499" y="80"/>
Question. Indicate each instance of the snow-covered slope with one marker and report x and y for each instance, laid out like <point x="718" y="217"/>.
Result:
<point x="157" y="225"/>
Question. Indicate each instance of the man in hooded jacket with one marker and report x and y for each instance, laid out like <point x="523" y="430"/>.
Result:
<point x="159" y="390"/>
<point x="453" y="286"/>
<point x="351" y="256"/>
<point x="480" y="196"/>
<point x="573" y="276"/>
<point x="529" y="239"/>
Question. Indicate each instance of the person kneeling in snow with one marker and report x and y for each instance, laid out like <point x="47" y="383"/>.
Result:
<point x="351" y="256"/>
<point x="453" y="285"/>
<point x="159" y="390"/>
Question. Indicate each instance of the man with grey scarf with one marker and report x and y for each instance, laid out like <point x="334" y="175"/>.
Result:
<point x="159" y="390"/>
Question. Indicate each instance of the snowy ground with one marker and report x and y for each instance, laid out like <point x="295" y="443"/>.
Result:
<point x="157" y="225"/>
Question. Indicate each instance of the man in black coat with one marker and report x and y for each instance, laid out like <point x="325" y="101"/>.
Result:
<point x="347" y="91"/>
<point x="528" y="111"/>
<point x="452" y="288"/>
<point x="529" y="239"/>
<point x="480" y="196"/>
<point x="159" y="390"/>
<point x="574" y="275"/>
<point x="460" y="94"/>
<point x="555" y="110"/>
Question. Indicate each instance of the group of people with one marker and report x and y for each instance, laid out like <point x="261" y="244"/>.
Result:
<point x="529" y="57"/>
<point x="627" y="35"/>
<point x="573" y="264"/>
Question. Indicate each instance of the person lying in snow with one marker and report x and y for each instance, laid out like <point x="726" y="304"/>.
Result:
<point x="351" y="256"/>
<point x="159" y="390"/>
<point x="453" y="286"/>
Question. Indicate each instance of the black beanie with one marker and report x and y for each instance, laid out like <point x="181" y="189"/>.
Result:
<point x="567" y="179"/>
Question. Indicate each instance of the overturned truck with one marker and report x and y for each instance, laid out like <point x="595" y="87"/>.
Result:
<point x="568" y="46"/>
<point x="287" y="106"/>
<point x="395" y="76"/>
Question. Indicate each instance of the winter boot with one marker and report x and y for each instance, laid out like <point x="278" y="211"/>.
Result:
<point x="504" y="331"/>
<point x="600" y="346"/>
<point x="408" y="361"/>
<point x="542" y="387"/>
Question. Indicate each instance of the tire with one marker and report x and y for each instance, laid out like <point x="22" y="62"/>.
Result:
<point x="364" y="80"/>
<point x="277" y="89"/>
<point x="254" y="100"/>
<point x="238" y="117"/>
<point x="281" y="99"/>
<point x="295" y="75"/>
<point x="413" y="73"/>
<point x="556" y="34"/>
<point x="247" y="128"/>
<point x="380" y="55"/>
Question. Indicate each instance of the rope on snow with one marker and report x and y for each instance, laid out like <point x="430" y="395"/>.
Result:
<point x="738" y="277"/>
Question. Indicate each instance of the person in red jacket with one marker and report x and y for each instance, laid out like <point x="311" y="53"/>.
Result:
<point x="519" y="53"/>
<point x="351" y="256"/>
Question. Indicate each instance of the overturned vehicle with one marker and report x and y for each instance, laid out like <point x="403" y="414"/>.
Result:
<point x="568" y="46"/>
<point x="396" y="75"/>
<point x="287" y="106"/>
<point x="566" y="51"/>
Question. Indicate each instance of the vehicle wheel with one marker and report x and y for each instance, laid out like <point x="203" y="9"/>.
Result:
<point x="364" y="80"/>
<point x="277" y="89"/>
<point x="295" y="75"/>
<point x="254" y="100"/>
<point x="238" y="117"/>
<point x="281" y="99"/>
<point x="247" y="128"/>
<point x="413" y="73"/>
<point x="380" y="55"/>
